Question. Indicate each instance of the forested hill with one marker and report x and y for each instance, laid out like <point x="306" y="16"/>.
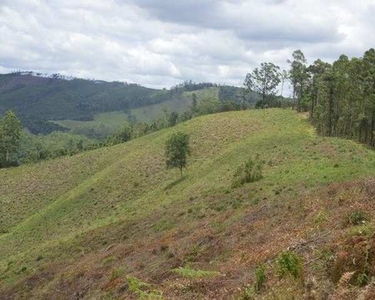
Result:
<point x="37" y="100"/>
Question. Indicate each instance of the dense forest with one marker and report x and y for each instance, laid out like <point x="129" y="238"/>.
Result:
<point x="341" y="97"/>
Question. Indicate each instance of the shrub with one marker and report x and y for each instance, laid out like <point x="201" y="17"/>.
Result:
<point x="250" y="171"/>
<point x="357" y="217"/>
<point x="142" y="289"/>
<point x="248" y="294"/>
<point x="366" y="229"/>
<point x="260" y="277"/>
<point x="289" y="263"/>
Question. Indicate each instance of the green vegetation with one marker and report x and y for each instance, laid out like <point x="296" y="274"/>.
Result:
<point x="264" y="80"/>
<point x="177" y="150"/>
<point x="260" y="278"/>
<point x="357" y="217"/>
<point x="56" y="98"/>
<point x="19" y="147"/>
<point x="60" y="219"/>
<point x="97" y="108"/>
<point x="248" y="294"/>
<point x="250" y="171"/>
<point x="10" y="136"/>
<point x="142" y="289"/>
<point x="339" y="97"/>
<point x="289" y="264"/>
<point x="102" y="125"/>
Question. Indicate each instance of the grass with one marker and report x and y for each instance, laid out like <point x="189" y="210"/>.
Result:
<point x="153" y="112"/>
<point x="103" y="125"/>
<point x="107" y="123"/>
<point x="69" y="210"/>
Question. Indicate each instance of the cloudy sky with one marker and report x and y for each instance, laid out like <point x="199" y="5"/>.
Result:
<point x="162" y="43"/>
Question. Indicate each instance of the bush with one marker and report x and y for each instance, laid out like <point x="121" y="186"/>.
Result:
<point x="248" y="294"/>
<point x="250" y="171"/>
<point x="260" y="277"/>
<point x="289" y="263"/>
<point x="357" y="217"/>
<point x="142" y="289"/>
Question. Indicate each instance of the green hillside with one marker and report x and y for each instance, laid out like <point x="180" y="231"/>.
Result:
<point x="80" y="103"/>
<point x="109" y="122"/>
<point x="113" y="223"/>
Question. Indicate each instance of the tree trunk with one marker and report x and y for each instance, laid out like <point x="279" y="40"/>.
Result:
<point x="300" y="97"/>
<point x="330" y="110"/>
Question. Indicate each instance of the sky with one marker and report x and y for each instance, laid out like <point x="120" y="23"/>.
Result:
<point x="162" y="43"/>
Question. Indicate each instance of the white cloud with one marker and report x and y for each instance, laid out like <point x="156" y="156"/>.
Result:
<point x="161" y="43"/>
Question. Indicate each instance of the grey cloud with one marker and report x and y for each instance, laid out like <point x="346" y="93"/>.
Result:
<point x="272" y="20"/>
<point x="161" y="43"/>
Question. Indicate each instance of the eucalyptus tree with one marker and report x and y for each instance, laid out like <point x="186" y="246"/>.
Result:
<point x="316" y="70"/>
<point x="264" y="80"/>
<point x="10" y="137"/>
<point x="298" y="75"/>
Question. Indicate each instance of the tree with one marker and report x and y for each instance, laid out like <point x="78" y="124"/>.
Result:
<point x="194" y="102"/>
<point x="317" y="71"/>
<point x="10" y="136"/>
<point x="369" y="90"/>
<point x="341" y="96"/>
<point x="298" y="75"/>
<point x="123" y="135"/>
<point x="172" y="118"/>
<point x="177" y="150"/>
<point x="207" y="105"/>
<point x="264" y="80"/>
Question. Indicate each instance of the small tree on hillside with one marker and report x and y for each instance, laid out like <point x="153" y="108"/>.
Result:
<point x="177" y="150"/>
<point x="123" y="135"/>
<point x="10" y="136"/>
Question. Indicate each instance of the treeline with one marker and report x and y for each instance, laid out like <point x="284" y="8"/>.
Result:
<point x="37" y="99"/>
<point x="18" y="146"/>
<point x="339" y="96"/>
<point x="204" y="106"/>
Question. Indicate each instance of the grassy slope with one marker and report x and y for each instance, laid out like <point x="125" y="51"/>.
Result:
<point x="71" y="223"/>
<point x="114" y="120"/>
<point x="111" y="121"/>
<point x="153" y="112"/>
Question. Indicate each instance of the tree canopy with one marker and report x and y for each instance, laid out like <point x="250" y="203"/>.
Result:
<point x="10" y="136"/>
<point x="177" y="150"/>
<point x="264" y="80"/>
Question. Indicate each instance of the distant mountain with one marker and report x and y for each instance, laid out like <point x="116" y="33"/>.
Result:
<point x="37" y="99"/>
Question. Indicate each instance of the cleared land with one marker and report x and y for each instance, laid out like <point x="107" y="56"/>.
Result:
<point x="112" y="121"/>
<point x="114" y="224"/>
